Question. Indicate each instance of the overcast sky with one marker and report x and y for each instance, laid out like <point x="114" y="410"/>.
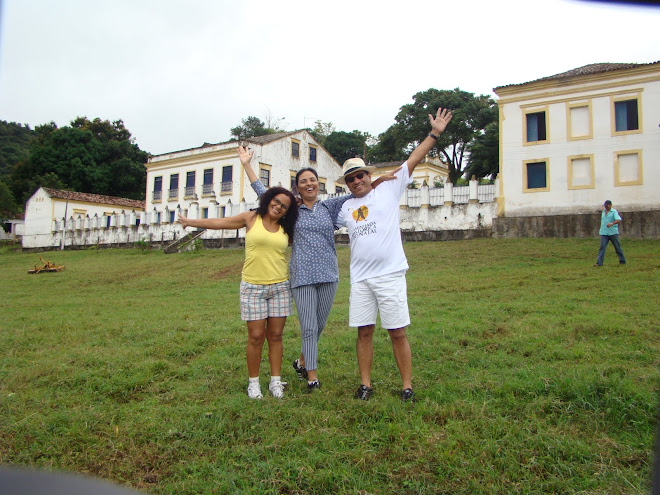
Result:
<point x="183" y="73"/>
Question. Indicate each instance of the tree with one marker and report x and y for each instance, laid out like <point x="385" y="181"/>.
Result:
<point x="322" y="130"/>
<point x="471" y="115"/>
<point x="484" y="153"/>
<point x="251" y="127"/>
<point x="93" y="156"/>
<point x="344" y="145"/>
<point x="389" y="147"/>
<point x="276" y="124"/>
<point x="15" y="140"/>
<point x="8" y="206"/>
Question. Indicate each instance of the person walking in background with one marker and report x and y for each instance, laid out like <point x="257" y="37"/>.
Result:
<point x="378" y="262"/>
<point x="265" y="294"/>
<point x="609" y="232"/>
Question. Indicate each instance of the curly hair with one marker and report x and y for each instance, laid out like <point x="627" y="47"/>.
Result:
<point x="288" y="221"/>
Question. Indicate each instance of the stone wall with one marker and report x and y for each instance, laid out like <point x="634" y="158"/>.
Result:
<point x="636" y="224"/>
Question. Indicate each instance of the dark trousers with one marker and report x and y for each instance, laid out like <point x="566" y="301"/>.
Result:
<point x="614" y="239"/>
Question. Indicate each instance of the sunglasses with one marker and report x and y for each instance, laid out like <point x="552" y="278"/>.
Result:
<point x="359" y="175"/>
<point x="280" y="204"/>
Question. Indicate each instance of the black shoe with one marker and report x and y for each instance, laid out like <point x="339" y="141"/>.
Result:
<point x="364" y="392"/>
<point x="315" y="385"/>
<point x="622" y="262"/>
<point x="300" y="370"/>
<point x="408" y="395"/>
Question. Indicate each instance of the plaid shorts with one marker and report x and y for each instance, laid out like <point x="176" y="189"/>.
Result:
<point x="258" y="302"/>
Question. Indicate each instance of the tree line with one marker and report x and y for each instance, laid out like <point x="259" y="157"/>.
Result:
<point x="101" y="157"/>
<point x="92" y="156"/>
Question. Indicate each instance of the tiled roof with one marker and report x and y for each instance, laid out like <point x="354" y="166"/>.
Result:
<point x="269" y="138"/>
<point x="94" y="198"/>
<point x="583" y="71"/>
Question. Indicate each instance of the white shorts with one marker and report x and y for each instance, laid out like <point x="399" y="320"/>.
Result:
<point x="386" y="294"/>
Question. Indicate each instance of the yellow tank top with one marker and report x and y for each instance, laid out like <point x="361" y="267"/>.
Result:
<point x="265" y="255"/>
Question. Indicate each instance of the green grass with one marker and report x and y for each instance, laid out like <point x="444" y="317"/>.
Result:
<point x="535" y="373"/>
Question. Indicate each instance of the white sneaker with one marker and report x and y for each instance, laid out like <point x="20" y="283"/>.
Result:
<point x="276" y="389"/>
<point x="254" y="391"/>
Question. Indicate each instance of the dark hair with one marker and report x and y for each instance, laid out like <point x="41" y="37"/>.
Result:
<point x="288" y="221"/>
<point x="308" y="169"/>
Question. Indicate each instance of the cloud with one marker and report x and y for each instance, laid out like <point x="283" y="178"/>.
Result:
<point x="180" y="74"/>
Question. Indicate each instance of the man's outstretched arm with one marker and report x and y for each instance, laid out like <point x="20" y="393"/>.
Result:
<point x="438" y="125"/>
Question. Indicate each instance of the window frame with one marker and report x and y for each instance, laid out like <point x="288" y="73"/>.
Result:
<point x="226" y="187"/>
<point x="157" y="193"/>
<point x="621" y="98"/>
<point x="569" y="176"/>
<point x="316" y="153"/>
<point x="189" y="191"/>
<point x="569" y="127"/>
<point x="532" y="110"/>
<point x="292" y="181"/>
<point x="173" y="192"/>
<point x="525" y="182"/>
<point x="268" y="169"/>
<point x="617" y="172"/>
<point x="208" y="176"/>
<point x="297" y="143"/>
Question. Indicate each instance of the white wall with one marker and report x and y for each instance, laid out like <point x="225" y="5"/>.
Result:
<point x="276" y="154"/>
<point x="423" y="209"/>
<point x="603" y="145"/>
<point x="45" y="217"/>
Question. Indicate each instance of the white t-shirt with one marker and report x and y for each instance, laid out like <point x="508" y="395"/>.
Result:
<point x="373" y="229"/>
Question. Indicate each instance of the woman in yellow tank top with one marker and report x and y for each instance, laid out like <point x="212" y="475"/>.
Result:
<point x="265" y="290"/>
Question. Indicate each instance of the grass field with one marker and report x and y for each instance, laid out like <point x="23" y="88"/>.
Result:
<point x="535" y="373"/>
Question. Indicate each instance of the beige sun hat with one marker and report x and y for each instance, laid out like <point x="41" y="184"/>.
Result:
<point x="351" y="166"/>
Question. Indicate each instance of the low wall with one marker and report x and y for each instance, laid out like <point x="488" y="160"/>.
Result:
<point x="417" y="224"/>
<point x="635" y="224"/>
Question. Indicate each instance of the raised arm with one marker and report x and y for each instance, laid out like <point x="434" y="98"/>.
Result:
<point x="245" y="219"/>
<point x="245" y="156"/>
<point x="438" y="125"/>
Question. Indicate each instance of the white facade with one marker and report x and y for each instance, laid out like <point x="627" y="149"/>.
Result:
<point x="424" y="209"/>
<point x="568" y="142"/>
<point x="210" y="181"/>
<point x="50" y="212"/>
<point x="13" y="229"/>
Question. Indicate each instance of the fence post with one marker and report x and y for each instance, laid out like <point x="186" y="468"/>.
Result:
<point x="425" y="199"/>
<point x="449" y="194"/>
<point x="474" y="193"/>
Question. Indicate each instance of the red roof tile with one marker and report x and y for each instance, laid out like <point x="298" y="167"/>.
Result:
<point x="582" y="71"/>
<point x="94" y="198"/>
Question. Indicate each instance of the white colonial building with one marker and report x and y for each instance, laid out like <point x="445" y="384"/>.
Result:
<point x="54" y="217"/>
<point x="210" y="182"/>
<point x="570" y="141"/>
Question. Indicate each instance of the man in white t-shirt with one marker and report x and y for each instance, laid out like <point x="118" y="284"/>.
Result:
<point x="378" y="262"/>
